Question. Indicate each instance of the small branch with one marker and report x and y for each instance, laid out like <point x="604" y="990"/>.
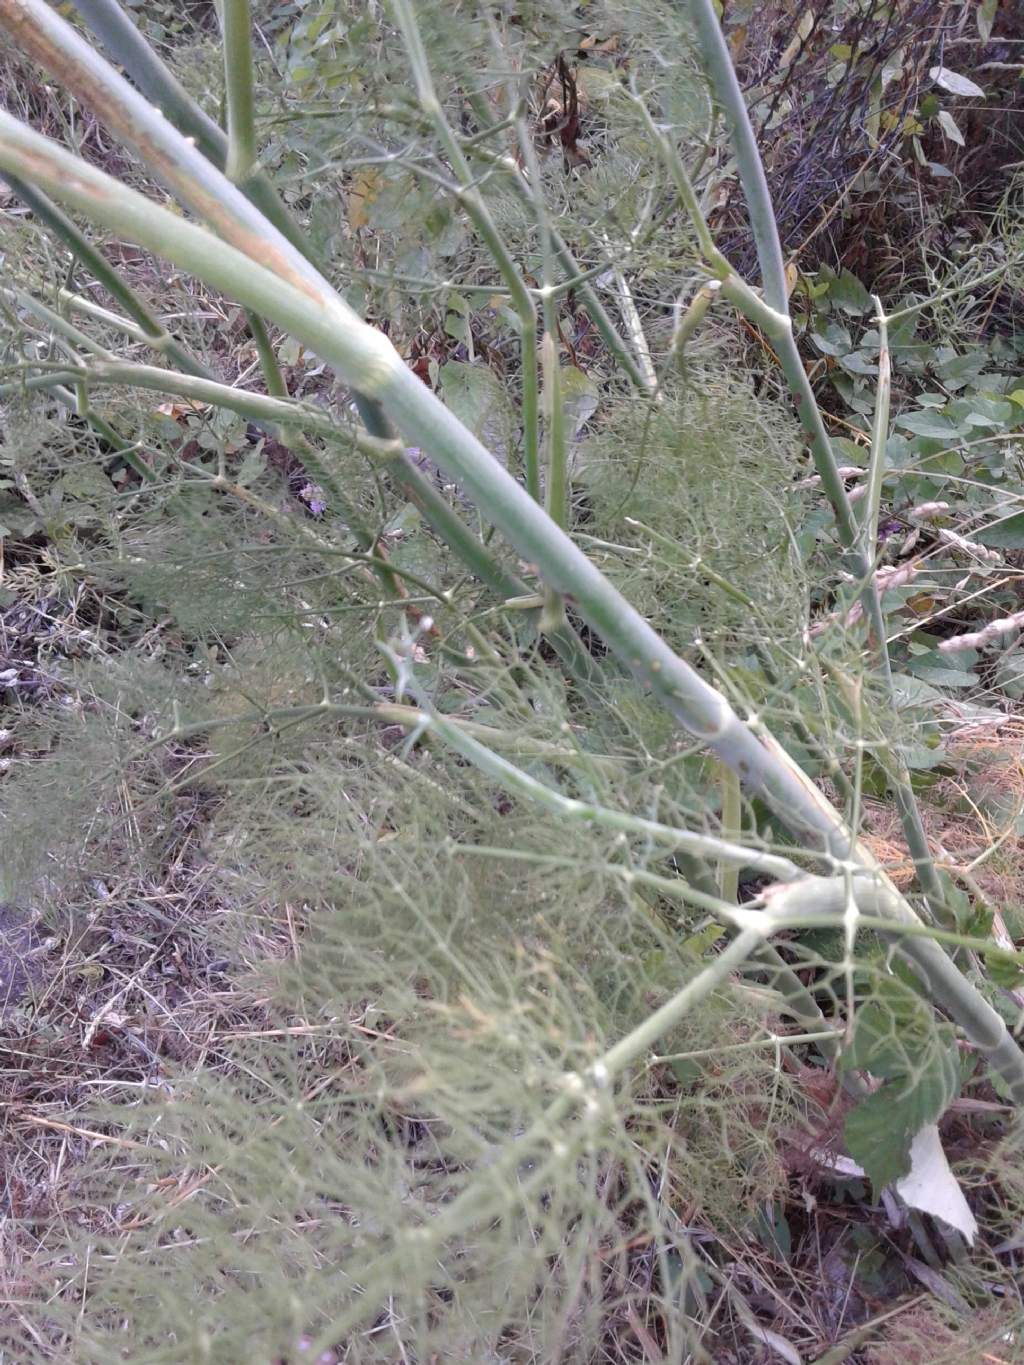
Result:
<point x="238" y="84"/>
<point x="473" y="202"/>
<point x="879" y="440"/>
<point x="748" y="160"/>
<point x="104" y="273"/>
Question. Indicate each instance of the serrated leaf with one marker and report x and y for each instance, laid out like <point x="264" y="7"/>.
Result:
<point x="880" y="1130"/>
<point x="897" y="1040"/>
<point x="891" y="1032"/>
<point x="955" y="83"/>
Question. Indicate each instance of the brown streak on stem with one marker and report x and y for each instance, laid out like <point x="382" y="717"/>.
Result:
<point x="109" y="108"/>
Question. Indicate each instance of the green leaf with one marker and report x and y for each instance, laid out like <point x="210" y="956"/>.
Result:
<point x="478" y="398"/>
<point x="894" y="1020"/>
<point x="772" y="1230"/>
<point x="880" y="1129"/>
<point x="979" y="411"/>
<point x="897" y="1039"/>
<point x="986" y="16"/>
<point x="857" y="362"/>
<point x="928" y="422"/>
<point x="942" y="676"/>
<point x="1004" y="968"/>
<point x="847" y="291"/>
<point x="1009" y="676"/>
<point x="956" y="370"/>
<point x="1007" y="534"/>
<point x="579" y="398"/>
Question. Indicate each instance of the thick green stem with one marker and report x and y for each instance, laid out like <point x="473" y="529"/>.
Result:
<point x="364" y="357"/>
<point x="771" y="314"/>
<point x="240" y="217"/>
<point x="727" y="92"/>
<point x="238" y="84"/>
<point x="161" y="88"/>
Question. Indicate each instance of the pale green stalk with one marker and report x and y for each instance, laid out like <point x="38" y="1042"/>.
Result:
<point x="599" y="315"/>
<point x="732" y="817"/>
<point x="413" y="719"/>
<point x="748" y="159"/>
<point x="899" y="774"/>
<point x="774" y="1040"/>
<point x="58" y="325"/>
<point x="513" y="779"/>
<point x="556" y="490"/>
<point x="240" y="163"/>
<point x="688" y="321"/>
<point x="771" y="314"/>
<point x="366" y="359"/>
<point x="671" y="888"/>
<point x="238" y="86"/>
<point x="77" y="401"/>
<point x="78" y="303"/>
<point x="258" y="407"/>
<point x="473" y="202"/>
<point x="879" y="440"/>
<point x="162" y="88"/>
